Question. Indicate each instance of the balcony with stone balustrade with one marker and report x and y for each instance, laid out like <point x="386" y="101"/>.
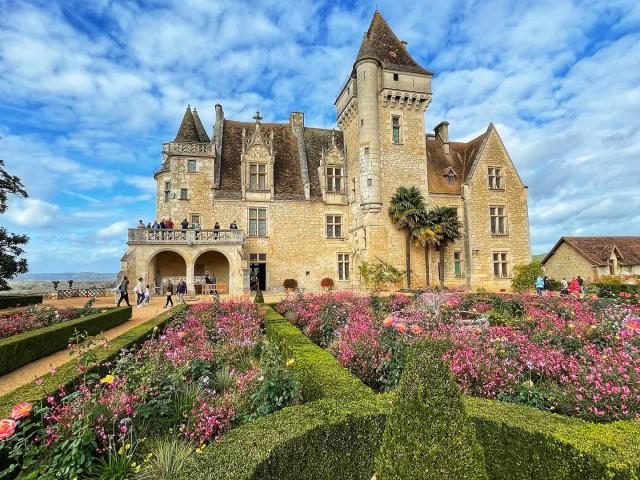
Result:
<point x="145" y="236"/>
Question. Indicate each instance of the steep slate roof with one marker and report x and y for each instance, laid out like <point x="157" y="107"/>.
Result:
<point x="191" y="129"/>
<point x="381" y="44"/>
<point x="597" y="250"/>
<point x="315" y="140"/>
<point x="462" y="156"/>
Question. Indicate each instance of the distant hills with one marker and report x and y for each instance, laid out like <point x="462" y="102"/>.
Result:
<point x="64" y="276"/>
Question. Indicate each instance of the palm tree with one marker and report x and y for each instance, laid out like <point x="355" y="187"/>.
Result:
<point x="446" y="220"/>
<point x="407" y="205"/>
<point x="428" y="235"/>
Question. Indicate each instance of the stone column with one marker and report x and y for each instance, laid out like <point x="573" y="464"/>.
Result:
<point x="190" y="277"/>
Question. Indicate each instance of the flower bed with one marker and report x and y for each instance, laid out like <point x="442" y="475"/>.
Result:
<point x="580" y="358"/>
<point x="207" y="372"/>
<point x="41" y="316"/>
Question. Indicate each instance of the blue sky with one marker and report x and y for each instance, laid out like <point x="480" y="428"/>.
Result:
<point x="90" y="90"/>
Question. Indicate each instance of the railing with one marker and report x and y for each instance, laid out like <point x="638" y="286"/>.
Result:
<point x="82" y="292"/>
<point x="189" y="236"/>
<point x="190" y="148"/>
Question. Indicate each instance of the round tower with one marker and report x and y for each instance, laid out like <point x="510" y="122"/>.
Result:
<point x="368" y="134"/>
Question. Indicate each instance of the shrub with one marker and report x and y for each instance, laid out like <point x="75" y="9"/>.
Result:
<point x="26" y="347"/>
<point x="614" y="289"/>
<point x="327" y="283"/>
<point x="290" y="283"/>
<point x="376" y="275"/>
<point x="258" y="298"/>
<point x="524" y="276"/>
<point x="10" y="301"/>
<point x="428" y="434"/>
<point x="167" y="459"/>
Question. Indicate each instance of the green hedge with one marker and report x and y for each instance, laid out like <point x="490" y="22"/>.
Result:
<point x="67" y="374"/>
<point x="10" y="301"/>
<point x="338" y="438"/>
<point x="319" y="372"/>
<point x="18" y="350"/>
<point x="613" y="289"/>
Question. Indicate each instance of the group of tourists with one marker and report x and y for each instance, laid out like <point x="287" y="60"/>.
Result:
<point x="167" y="224"/>
<point x="574" y="287"/>
<point x="143" y="292"/>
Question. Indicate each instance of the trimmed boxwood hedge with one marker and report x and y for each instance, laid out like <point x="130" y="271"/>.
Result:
<point x="613" y="289"/>
<point x="67" y="374"/>
<point x="18" y="350"/>
<point x="333" y="437"/>
<point x="10" y="301"/>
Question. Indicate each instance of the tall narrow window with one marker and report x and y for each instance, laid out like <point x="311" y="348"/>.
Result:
<point x="498" y="220"/>
<point x="334" y="226"/>
<point x="396" y="77"/>
<point x="167" y="191"/>
<point x="184" y="194"/>
<point x="343" y="266"/>
<point x="500" y="265"/>
<point x="191" y="166"/>
<point x="494" y="177"/>
<point x="395" y="129"/>
<point x="257" y="176"/>
<point x="334" y="179"/>
<point x="366" y="155"/>
<point x="258" y="222"/>
<point x="457" y="264"/>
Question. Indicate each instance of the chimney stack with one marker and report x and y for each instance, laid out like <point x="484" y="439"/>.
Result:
<point x="404" y="43"/>
<point x="442" y="133"/>
<point x="296" y="120"/>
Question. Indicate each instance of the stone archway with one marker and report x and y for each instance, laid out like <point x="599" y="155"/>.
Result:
<point x="215" y="263"/>
<point x="164" y="265"/>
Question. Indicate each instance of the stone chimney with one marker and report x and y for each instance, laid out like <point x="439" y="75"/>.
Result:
<point x="442" y="134"/>
<point x="404" y="43"/>
<point x="296" y="120"/>
<point x="217" y="139"/>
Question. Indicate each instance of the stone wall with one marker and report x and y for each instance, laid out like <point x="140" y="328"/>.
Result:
<point x="567" y="263"/>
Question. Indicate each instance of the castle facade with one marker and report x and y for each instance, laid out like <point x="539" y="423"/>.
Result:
<point x="311" y="203"/>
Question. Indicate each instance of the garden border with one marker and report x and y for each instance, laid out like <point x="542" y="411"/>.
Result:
<point x="67" y="374"/>
<point x="11" y="301"/>
<point x="520" y="442"/>
<point x="26" y="347"/>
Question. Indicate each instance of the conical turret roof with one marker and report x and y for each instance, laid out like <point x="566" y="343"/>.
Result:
<point x="191" y="129"/>
<point x="381" y="44"/>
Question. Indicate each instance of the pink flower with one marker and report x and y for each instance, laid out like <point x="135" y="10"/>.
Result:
<point x="416" y="329"/>
<point x="38" y="381"/>
<point x="21" y="410"/>
<point x="402" y="327"/>
<point x="7" y="428"/>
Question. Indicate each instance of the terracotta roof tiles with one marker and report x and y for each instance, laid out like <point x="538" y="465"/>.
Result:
<point x="598" y="249"/>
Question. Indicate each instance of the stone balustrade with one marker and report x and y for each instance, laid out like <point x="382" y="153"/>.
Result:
<point x="188" y="148"/>
<point x="144" y="236"/>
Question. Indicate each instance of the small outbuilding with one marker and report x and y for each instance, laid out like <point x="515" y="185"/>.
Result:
<point x="591" y="257"/>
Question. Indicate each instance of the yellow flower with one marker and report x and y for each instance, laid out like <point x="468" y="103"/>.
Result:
<point x="198" y="450"/>
<point x="290" y="362"/>
<point x="127" y="446"/>
<point x="137" y="468"/>
<point x="120" y="451"/>
<point x="107" y="379"/>
<point x="134" y="464"/>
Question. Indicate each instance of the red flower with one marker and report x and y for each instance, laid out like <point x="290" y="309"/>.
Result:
<point x="388" y="321"/>
<point x="402" y="328"/>
<point x="416" y="329"/>
<point x="21" y="410"/>
<point x="7" y="427"/>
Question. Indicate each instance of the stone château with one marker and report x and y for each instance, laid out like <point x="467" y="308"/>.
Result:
<point x="312" y="203"/>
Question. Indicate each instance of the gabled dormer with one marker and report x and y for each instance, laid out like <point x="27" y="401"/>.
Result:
<point x="257" y="160"/>
<point x="333" y="174"/>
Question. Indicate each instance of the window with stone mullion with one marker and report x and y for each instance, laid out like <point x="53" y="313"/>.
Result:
<point x="257" y="177"/>
<point x="334" y="226"/>
<point x="334" y="179"/>
<point x="258" y="222"/>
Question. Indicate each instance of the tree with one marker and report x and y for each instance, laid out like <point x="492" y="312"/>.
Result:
<point x="446" y="220"/>
<point x="428" y="235"/>
<point x="407" y="206"/>
<point x="10" y="243"/>
<point x="525" y="275"/>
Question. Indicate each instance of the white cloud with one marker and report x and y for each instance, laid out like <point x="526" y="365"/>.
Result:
<point x="116" y="229"/>
<point x="32" y="212"/>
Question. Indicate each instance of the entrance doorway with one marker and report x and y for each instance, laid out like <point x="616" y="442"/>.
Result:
<point x="258" y="272"/>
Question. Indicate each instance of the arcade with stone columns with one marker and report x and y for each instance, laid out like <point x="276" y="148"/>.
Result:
<point x="311" y="203"/>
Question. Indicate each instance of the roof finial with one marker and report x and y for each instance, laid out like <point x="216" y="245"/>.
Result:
<point x="333" y="137"/>
<point x="257" y="117"/>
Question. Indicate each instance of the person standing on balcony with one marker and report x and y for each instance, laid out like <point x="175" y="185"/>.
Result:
<point x="181" y="289"/>
<point x="139" y="289"/>
<point x="156" y="225"/>
<point x="169" y="294"/>
<point x="168" y="223"/>
<point x="123" y="288"/>
<point x="140" y="224"/>
<point x="233" y="226"/>
<point x="163" y="225"/>
<point x="216" y="231"/>
<point x="184" y="224"/>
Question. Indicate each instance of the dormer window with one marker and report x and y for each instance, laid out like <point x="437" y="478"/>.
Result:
<point x="450" y="175"/>
<point x="257" y="176"/>
<point x="334" y="179"/>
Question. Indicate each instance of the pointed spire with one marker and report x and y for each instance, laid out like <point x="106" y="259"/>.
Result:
<point x="202" y="133"/>
<point x="381" y="44"/>
<point x="188" y="132"/>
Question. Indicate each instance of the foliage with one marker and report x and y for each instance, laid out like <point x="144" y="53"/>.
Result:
<point x="327" y="283"/>
<point x="10" y="243"/>
<point x="166" y="459"/>
<point x="9" y="301"/>
<point x="290" y="283"/>
<point x="259" y="298"/>
<point x="428" y="434"/>
<point x="525" y="275"/>
<point x="614" y="290"/>
<point x="26" y="347"/>
<point x="380" y="273"/>
<point x="445" y="221"/>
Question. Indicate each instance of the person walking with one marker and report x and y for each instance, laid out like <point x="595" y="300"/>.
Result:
<point x="574" y="286"/>
<point x="123" y="288"/>
<point x="564" y="287"/>
<point x="539" y="285"/>
<point x="181" y="289"/>
<point x="547" y="285"/>
<point x="169" y="294"/>
<point x="581" y="283"/>
<point x="139" y="289"/>
<point x="147" y="295"/>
